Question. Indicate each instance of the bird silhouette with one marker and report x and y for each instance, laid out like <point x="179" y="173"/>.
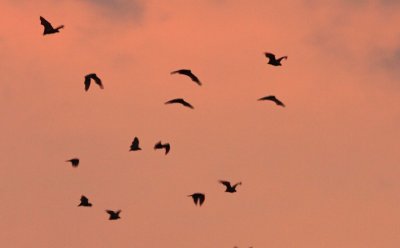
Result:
<point x="114" y="215"/>
<point x="272" y="98"/>
<point x="198" y="198"/>
<point x="188" y="73"/>
<point x="96" y="79"/>
<point x="48" y="28"/>
<point x="181" y="101"/>
<point x="229" y="188"/>
<point x="74" y="162"/>
<point x="165" y="146"/>
<point x="84" y="202"/>
<point x="273" y="60"/>
<point x="135" y="145"/>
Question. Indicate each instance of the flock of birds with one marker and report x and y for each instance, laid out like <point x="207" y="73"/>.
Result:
<point x="197" y="197"/>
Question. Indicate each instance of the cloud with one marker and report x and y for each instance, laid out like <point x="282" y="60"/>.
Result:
<point x="123" y="9"/>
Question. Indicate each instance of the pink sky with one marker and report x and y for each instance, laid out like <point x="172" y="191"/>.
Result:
<point x="322" y="172"/>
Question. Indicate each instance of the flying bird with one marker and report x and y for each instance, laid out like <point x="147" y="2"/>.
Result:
<point x="85" y="202"/>
<point x="188" y="73"/>
<point x="96" y="79"/>
<point x="272" y="98"/>
<point x="181" y="101"/>
<point x="273" y="60"/>
<point x="165" y="146"/>
<point x="74" y="162"/>
<point x="48" y="28"/>
<point x="229" y="187"/>
<point x="114" y="215"/>
<point x="135" y="145"/>
<point x="198" y="198"/>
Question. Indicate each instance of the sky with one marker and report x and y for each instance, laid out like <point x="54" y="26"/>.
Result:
<point x="321" y="172"/>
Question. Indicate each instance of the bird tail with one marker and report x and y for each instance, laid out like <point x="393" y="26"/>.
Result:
<point x="59" y="27"/>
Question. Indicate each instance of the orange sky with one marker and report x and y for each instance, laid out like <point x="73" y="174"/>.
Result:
<point x="322" y="172"/>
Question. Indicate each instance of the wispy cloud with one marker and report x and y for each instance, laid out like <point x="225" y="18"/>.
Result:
<point x="123" y="9"/>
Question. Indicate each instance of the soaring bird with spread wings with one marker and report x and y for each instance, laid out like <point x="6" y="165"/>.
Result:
<point x="272" y="98"/>
<point x="165" y="146"/>
<point x="188" y="73"/>
<point x="198" y="198"/>
<point x="96" y="79"/>
<point x="48" y="28"/>
<point x="180" y="101"/>
<point x="114" y="215"/>
<point x="229" y="187"/>
<point x="273" y="60"/>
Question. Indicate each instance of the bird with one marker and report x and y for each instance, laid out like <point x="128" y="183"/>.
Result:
<point x="181" y="101"/>
<point x="74" y="162"/>
<point x="188" y="73"/>
<point x="85" y="202"/>
<point x="229" y="188"/>
<point x="48" y="28"/>
<point x="165" y="146"/>
<point x="135" y="145"/>
<point x="273" y="60"/>
<point x="114" y="215"/>
<point x="198" y="198"/>
<point x="272" y="98"/>
<point x="96" y="79"/>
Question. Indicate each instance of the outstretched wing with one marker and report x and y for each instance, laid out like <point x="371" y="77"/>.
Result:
<point x="194" y="78"/>
<point x="87" y="83"/>
<point x="279" y="103"/>
<point x="97" y="80"/>
<point x="272" y="98"/>
<point x="110" y="212"/>
<point x="239" y="183"/>
<point x="46" y="24"/>
<point x="181" y="101"/>
<point x="167" y="148"/>
<point x="283" y="57"/>
<point x="271" y="56"/>
<point x="226" y="183"/>
<point x="188" y="73"/>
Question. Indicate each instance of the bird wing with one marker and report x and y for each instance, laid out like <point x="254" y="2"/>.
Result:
<point x="135" y="142"/>
<point x="226" y="183"/>
<point x="87" y="82"/>
<point x="195" y="199"/>
<point x="181" y="101"/>
<point x="194" y="78"/>
<point x="283" y="57"/>
<point x="84" y="199"/>
<point x="272" y="98"/>
<point x="110" y="212"/>
<point x="158" y="145"/>
<point x="239" y="183"/>
<point x="97" y="80"/>
<point x="167" y="148"/>
<point x="46" y="24"/>
<point x="266" y="98"/>
<point x="178" y="71"/>
<point x="271" y="56"/>
<point x="188" y="73"/>
<point x="278" y="102"/>
<point x="201" y="198"/>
